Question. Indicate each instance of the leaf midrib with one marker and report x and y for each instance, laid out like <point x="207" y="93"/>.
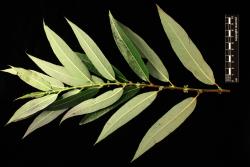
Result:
<point x="141" y="70"/>
<point x="97" y="58"/>
<point x="69" y="60"/>
<point x="199" y="67"/>
<point x="125" y="113"/>
<point x="171" y="120"/>
<point x="36" y="105"/>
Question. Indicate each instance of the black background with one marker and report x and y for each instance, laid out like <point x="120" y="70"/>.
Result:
<point x="216" y="134"/>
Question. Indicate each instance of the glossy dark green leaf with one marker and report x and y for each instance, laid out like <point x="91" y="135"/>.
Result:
<point x="185" y="49"/>
<point x="127" y="112"/>
<point x="166" y="124"/>
<point x="93" y="52"/>
<point x="102" y="101"/>
<point x="147" y="53"/>
<point x="67" y="57"/>
<point x="129" y="92"/>
<point x="32" y="107"/>
<point x="74" y="99"/>
<point x="128" y="50"/>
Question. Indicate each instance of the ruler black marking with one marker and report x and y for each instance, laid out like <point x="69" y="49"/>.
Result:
<point x="232" y="48"/>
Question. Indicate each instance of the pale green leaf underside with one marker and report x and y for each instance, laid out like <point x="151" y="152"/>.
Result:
<point x="127" y="112"/>
<point x="31" y="78"/>
<point x="48" y="115"/>
<point x="44" y="118"/>
<point x="32" y="107"/>
<point x="66" y="56"/>
<point x="186" y="50"/>
<point x="129" y="92"/>
<point x="104" y="100"/>
<point x="54" y="83"/>
<point x="32" y="95"/>
<point x="96" y="79"/>
<point x="93" y="52"/>
<point x="128" y="50"/>
<point x="147" y="53"/>
<point x="58" y="72"/>
<point x="118" y="74"/>
<point x="166" y="124"/>
<point x="155" y="73"/>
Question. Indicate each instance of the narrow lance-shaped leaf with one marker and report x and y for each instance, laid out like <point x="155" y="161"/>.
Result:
<point x="129" y="92"/>
<point x="155" y="73"/>
<point x="118" y="74"/>
<point x="54" y="83"/>
<point x="186" y="50"/>
<point x="32" y="107"/>
<point x="93" y="52"/>
<point x="147" y="53"/>
<point x="166" y="124"/>
<point x="66" y="56"/>
<point x="32" y="95"/>
<point x="48" y="116"/>
<point x="57" y="72"/>
<point x="104" y="100"/>
<point x="31" y="78"/>
<point x="128" y="50"/>
<point x="75" y="99"/>
<point x="96" y="79"/>
<point x="127" y="112"/>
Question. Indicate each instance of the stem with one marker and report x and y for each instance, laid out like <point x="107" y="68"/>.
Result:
<point x="184" y="89"/>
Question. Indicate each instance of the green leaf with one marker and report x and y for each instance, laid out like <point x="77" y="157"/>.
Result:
<point x="186" y="50"/>
<point x="54" y="83"/>
<point x="57" y="72"/>
<point x="73" y="99"/>
<point x="128" y="50"/>
<point x="44" y="118"/>
<point x="155" y="73"/>
<point x="93" y="52"/>
<point x="127" y="112"/>
<point x="31" y="78"/>
<point x="96" y="79"/>
<point x="84" y="58"/>
<point x="129" y="92"/>
<point x="67" y="57"/>
<point x="48" y="116"/>
<point x="33" y="95"/>
<point x="104" y="100"/>
<point x="148" y="53"/>
<point x="32" y="107"/>
<point x="166" y="124"/>
<point x="120" y="77"/>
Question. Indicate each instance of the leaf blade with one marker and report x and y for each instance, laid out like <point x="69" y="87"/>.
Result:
<point x="128" y="50"/>
<point x="148" y="53"/>
<point x="104" y="100"/>
<point x="75" y="99"/>
<point x="58" y="72"/>
<point x="66" y="56"/>
<point x="166" y="124"/>
<point x="129" y="92"/>
<point x="93" y="52"/>
<point x="185" y="49"/>
<point x="32" y="107"/>
<point x="127" y="112"/>
<point x="30" y="78"/>
<point x="44" y="118"/>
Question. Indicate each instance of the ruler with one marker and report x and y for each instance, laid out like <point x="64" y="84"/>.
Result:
<point x="231" y="48"/>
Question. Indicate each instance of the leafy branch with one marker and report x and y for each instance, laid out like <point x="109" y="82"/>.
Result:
<point x="73" y="88"/>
